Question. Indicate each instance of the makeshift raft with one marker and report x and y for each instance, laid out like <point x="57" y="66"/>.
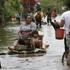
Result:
<point x="26" y="53"/>
<point x="21" y="49"/>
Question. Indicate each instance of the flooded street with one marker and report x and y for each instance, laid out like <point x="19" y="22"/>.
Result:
<point x="50" y="61"/>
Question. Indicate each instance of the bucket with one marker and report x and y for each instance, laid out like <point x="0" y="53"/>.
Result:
<point x="59" y="33"/>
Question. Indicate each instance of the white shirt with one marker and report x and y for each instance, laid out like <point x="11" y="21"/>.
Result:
<point x="66" y="18"/>
<point x="44" y="19"/>
<point x="26" y="27"/>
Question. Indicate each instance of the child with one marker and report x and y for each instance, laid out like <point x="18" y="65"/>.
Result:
<point x="36" y="40"/>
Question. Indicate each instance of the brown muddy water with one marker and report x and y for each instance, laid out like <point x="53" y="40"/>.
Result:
<point x="49" y="61"/>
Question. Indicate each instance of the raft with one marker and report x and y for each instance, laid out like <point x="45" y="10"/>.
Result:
<point x="26" y="53"/>
<point x="29" y="49"/>
<point x="22" y="49"/>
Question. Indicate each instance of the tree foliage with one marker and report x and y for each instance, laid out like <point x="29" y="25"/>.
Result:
<point x="9" y="8"/>
<point x="12" y="6"/>
<point x="52" y="3"/>
<point x="66" y="2"/>
<point x="2" y="6"/>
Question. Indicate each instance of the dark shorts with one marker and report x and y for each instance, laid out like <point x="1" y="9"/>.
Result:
<point x="24" y="41"/>
<point x="66" y="48"/>
<point x="21" y="42"/>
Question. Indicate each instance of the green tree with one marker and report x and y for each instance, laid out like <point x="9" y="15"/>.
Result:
<point x="2" y="2"/>
<point x="8" y="8"/>
<point x="66" y="2"/>
<point x="52" y="3"/>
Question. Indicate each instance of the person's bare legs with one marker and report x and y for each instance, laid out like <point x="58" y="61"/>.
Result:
<point x="37" y="42"/>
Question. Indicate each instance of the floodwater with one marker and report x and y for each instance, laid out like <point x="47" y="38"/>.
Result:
<point x="49" y="61"/>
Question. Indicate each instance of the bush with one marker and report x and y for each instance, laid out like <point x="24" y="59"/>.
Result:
<point x="67" y="3"/>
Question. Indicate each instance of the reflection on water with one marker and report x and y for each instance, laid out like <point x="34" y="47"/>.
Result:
<point x="15" y="63"/>
<point x="6" y="38"/>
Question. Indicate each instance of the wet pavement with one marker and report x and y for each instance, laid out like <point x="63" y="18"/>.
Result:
<point x="50" y="61"/>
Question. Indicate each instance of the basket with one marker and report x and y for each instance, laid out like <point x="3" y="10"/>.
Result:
<point x="59" y="33"/>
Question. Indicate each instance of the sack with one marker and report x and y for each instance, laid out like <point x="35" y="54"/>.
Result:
<point x="59" y="33"/>
<point x="21" y="48"/>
